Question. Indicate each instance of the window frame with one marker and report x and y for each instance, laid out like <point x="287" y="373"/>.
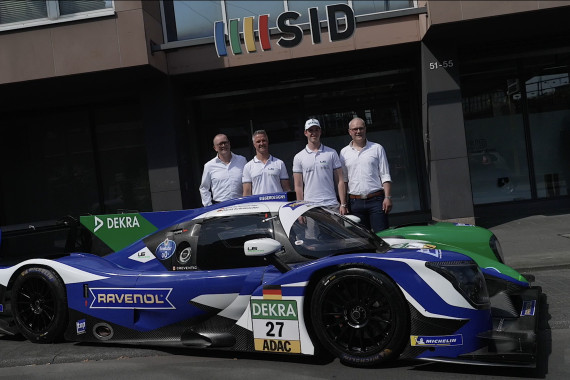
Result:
<point x="54" y="17"/>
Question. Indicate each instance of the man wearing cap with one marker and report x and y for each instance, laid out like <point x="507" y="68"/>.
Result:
<point x="264" y="173"/>
<point x="317" y="170"/>
<point x="366" y="171"/>
<point x="221" y="179"/>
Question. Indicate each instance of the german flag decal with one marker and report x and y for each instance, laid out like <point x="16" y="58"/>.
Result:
<point x="272" y="292"/>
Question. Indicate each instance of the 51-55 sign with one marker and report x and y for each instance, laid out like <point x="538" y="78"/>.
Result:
<point x="443" y="64"/>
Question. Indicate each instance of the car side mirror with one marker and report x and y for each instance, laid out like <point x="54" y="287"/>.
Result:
<point x="261" y="247"/>
<point x="266" y="248"/>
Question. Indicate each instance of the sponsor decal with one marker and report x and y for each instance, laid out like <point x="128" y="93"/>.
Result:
<point x="272" y="197"/>
<point x="464" y="225"/>
<point x="80" y="326"/>
<point x="294" y="205"/>
<point x="166" y="249"/>
<point x="142" y="256"/>
<point x="272" y="292"/>
<point x="130" y="298"/>
<point x="528" y="308"/>
<point x="429" y="246"/>
<point x="275" y="323"/>
<point x="436" y="341"/>
<point x="432" y="252"/>
<point x="120" y="230"/>
<point x="191" y="267"/>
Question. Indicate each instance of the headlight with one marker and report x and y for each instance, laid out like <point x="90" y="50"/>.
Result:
<point x="467" y="278"/>
<point x="496" y="248"/>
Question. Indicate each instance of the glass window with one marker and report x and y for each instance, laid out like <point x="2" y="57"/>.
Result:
<point x="16" y="14"/>
<point x="496" y="146"/>
<point x="385" y="102"/>
<point x="221" y="240"/>
<point x="21" y="10"/>
<point x="52" y="168"/>
<point x="548" y="97"/>
<point x="122" y="158"/>
<point x="302" y="7"/>
<point x="241" y="9"/>
<point x="195" y="19"/>
<point x="67" y="7"/>
<point x="320" y="233"/>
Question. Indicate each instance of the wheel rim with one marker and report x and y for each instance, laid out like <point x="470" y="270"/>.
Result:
<point x="35" y="305"/>
<point x="357" y="315"/>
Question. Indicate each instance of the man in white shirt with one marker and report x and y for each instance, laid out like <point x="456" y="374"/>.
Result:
<point x="366" y="171"/>
<point x="264" y="173"/>
<point x="317" y="170"/>
<point x="222" y="175"/>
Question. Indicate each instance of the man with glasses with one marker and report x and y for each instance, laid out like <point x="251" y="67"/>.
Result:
<point x="264" y="173"/>
<point x="367" y="174"/>
<point x="222" y="175"/>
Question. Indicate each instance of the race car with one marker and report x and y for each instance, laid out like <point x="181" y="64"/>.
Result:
<point x="266" y="273"/>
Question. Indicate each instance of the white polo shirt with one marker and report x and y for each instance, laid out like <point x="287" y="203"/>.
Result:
<point x="224" y="180"/>
<point x="365" y="171"/>
<point x="265" y="178"/>
<point x="318" y="174"/>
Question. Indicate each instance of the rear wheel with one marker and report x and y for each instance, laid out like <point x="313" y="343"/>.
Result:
<point x="39" y="305"/>
<point x="360" y="316"/>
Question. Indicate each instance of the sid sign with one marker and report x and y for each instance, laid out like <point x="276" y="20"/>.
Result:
<point x="292" y="35"/>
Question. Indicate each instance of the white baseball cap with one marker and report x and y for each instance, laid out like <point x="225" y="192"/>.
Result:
<point x="312" y="122"/>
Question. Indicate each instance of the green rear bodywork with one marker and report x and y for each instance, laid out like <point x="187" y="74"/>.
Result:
<point x="469" y="240"/>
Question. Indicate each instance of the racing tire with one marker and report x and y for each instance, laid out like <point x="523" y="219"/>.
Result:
<point x="360" y="316"/>
<point x="39" y="305"/>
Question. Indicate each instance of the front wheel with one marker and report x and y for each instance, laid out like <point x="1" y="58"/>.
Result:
<point x="360" y="316"/>
<point x="39" y="305"/>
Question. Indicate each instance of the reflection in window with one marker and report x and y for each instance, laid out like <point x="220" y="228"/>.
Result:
<point x="241" y="9"/>
<point x="195" y="19"/>
<point x="374" y="6"/>
<point x="302" y="7"/>
<point x="67" y="7"/>
<point x="549" y="118"/>
<point x="25" y="13"/>
<point x="495" y="140"/>
<point x="21" y="10"/>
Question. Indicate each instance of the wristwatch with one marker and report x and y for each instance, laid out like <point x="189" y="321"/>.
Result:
<point x="343" y="205"/>
<point x="388" y="197"/>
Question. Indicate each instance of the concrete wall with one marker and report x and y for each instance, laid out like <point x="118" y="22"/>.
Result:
<point x="84" y="46"/>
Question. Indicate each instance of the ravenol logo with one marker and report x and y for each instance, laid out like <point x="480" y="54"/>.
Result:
<point x="335" y="12"/>
<point x="436" y="341"/>
<point x="131" y="298"/>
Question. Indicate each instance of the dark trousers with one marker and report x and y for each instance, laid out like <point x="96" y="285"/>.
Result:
<point x="370" y="213"/>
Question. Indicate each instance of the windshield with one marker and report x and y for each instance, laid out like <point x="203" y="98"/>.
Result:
<point x="318" y="233"/>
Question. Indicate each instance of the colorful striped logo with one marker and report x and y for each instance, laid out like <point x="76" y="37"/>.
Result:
<point x="272" y="292"/>
<point x="292" y="34"/>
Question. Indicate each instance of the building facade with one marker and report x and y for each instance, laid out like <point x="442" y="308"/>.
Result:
<point x="112" y="105"/>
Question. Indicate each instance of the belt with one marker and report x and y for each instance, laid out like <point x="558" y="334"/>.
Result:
<point x="365" y="196"/>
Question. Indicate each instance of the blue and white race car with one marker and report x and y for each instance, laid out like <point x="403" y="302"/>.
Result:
<point x="268" y="274"/>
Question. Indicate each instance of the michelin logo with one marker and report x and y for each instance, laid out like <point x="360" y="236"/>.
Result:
<point x="436" y="341"/>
